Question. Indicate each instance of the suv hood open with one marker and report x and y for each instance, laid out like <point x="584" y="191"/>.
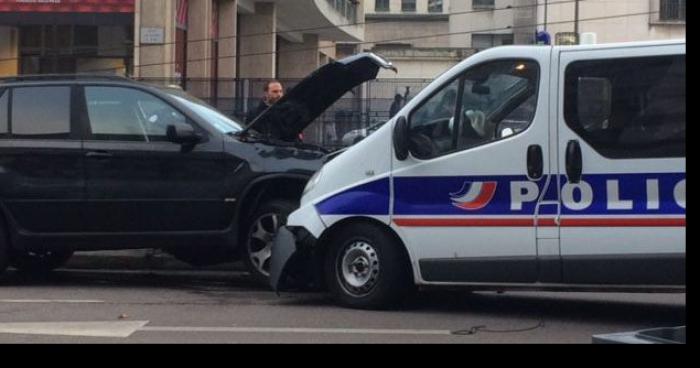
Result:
<point x="286" y="119"/>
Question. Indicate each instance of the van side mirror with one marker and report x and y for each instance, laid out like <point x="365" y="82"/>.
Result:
<point x="401" y="139"/>
<point x="183" y="134"/>
<point x="594" y="103"/>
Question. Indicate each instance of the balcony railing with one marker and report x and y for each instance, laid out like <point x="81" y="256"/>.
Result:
<point x="347" y="8"/>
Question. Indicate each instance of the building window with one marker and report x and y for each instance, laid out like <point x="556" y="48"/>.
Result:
<point x="408" y="5"/>
<point x="487" y="40"/>
<point x="381" y="5"/>
<point x="435" y="6"/>
<point x="483" y="4"/>
<point x="672" y="10"/>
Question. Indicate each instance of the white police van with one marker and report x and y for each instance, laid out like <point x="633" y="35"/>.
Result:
<point x="534" y="167"/>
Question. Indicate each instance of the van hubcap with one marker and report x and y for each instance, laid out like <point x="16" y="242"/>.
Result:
<point x="262" y="235"/>
<point x="359" y="268"/>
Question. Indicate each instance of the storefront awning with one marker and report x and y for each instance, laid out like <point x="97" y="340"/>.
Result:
<point x="67" y="6"/>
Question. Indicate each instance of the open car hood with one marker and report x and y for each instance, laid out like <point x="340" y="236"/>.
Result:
<point x="286" y="119"/>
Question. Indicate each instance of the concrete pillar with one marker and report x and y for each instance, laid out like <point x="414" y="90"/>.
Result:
<point x="199" y="48"/>
<point x="9" y="51"/>
<point x="228" y="16"/>
<point x="257" y="53"/>
<point x="155" y="60"/>
<point x="297" y="60"/>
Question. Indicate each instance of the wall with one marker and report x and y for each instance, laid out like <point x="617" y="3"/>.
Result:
<point x="620" y="29"/>
<point x="464" y="21"/>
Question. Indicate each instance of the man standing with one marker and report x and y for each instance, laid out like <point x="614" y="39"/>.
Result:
<point x="273" y="93"/>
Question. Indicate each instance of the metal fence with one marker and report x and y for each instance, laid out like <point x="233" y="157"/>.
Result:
<point x="362" y="107"/>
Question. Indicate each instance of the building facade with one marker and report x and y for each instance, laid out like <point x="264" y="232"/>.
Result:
<point x="487" y="23"/>
<point x="199" y="44"/>
<point x="414" y="34"/>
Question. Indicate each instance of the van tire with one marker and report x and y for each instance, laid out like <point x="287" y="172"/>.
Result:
<point x="366" y="268"/>
<point x="39" y="262"/>
<point x="261" y="222"/>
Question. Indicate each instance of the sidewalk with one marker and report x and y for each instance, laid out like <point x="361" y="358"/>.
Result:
<point x="142" y="259"/>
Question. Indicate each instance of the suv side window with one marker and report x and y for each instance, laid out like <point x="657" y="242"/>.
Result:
<point x="41" y="112"/>
<point x="628" y="108"/>
<point x="494" y="100"/>
<point x="118" y="113"/>
<point x="4" y="112"/>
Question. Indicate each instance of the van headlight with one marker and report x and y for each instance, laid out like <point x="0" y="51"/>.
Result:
<point x="313" y="181"/>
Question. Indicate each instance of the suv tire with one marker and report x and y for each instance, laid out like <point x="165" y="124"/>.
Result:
<point x="260" y="232"/>
<point x="365" y="268"/>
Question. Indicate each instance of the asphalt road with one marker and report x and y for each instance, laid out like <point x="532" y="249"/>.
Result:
<point x="88" y="306"/>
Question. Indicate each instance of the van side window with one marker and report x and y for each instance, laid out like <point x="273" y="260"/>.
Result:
<point x="4" y="100"/>
<point x="495" y="100"/>
<point x="432" y="125"/>
<point x="499" y="100"/>
<point x="128" y="114"/>
<point x="628" y="108"/>
<point x="41" y="112"/>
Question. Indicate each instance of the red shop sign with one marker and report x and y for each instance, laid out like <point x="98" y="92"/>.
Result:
<point x="68" y="6"/>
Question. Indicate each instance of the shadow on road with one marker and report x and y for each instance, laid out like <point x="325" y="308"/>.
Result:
<point x="578" y="307"/>
<point x="552" y="306"/>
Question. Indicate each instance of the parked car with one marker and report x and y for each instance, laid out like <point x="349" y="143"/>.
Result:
<point x="95" y="163"/>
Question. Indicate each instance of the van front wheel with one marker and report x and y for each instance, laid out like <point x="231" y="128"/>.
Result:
<point x="366" y="268"/>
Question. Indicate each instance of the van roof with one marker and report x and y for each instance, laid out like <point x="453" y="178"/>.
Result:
<point x="598" y="46"/>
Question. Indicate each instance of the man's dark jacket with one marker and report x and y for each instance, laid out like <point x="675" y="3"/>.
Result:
<point x="252" y="114"/>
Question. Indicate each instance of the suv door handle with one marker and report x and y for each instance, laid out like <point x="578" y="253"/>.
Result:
<point x="98" y="155"/>
<point x="535" y="162"/>
<point x="574" y="162"/>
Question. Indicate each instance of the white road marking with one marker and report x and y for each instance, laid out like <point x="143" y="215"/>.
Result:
<point x="120" y="329"/>
<point x="297" y="330"/>
<point x="47" y="301"/>
<point x="124" y="329"/>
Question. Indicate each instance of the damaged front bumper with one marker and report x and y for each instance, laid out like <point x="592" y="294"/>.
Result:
<point x="293" y="259"/>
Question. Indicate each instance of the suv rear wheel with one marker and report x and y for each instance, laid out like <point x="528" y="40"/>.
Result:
<point x="38" y="262"/>
<point x="365" y="268"/>
<point x="261" y="231"/>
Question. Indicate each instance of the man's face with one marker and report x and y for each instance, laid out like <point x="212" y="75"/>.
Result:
<point x="274" y="93"/>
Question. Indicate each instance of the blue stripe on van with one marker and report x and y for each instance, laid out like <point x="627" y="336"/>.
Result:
<point x="416" y="196"/>
<point x="367" y="199"/>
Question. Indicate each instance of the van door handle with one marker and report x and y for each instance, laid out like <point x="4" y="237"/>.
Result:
<point x="100" y="155"/>
<point x="574" y="162"/>
<point x="535" y="162"/>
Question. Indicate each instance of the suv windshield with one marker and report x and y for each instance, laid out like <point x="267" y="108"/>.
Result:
<point x="218" y="120"/>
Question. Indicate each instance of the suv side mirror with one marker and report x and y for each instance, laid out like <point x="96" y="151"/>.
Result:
<point x="401" y="139"/>
<point x="183" y="134"/>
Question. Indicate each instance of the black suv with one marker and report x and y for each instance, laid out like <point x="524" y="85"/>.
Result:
<point x="98" y="163"/>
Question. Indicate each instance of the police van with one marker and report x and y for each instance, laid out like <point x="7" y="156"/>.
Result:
<point x="533" y="167"/>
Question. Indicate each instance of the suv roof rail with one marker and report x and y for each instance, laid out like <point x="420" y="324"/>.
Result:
<point x="58" y="77"/>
